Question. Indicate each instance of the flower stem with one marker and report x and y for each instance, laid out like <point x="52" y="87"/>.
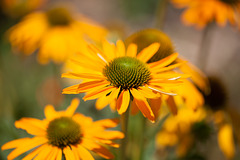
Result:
<point x="160" y="13"/>
<point x="124" y="127"/>
<point x="204" y="54"/>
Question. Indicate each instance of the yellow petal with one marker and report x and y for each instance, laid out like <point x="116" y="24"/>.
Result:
<point x="148" y="93"/>
<point x="14" y="143"/>
<point x="107" y="123"/>
<point x="148" y="52"/>
<point x="50" y="112"/>
<point x="34" y="142"/>
<point x="100" y="150"/>
<point x="226" y="142"/>
<point x="143" y="105"/>
<point x="32" y="126"/>
<point x="83" y="76"/>
<point x="44" y="153"/>
<point x="83" y="153"/>
<point x="72" y="108"/>
<point x="123" y="101"/>
<point x="68" y="153"/>
<point x="98" y="93"/>
<point x="120" y="49"/>
<point x="132" y="50"/>
<point x="164" y="62"/>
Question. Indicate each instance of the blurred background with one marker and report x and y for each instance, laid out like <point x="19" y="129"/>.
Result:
<point x="27" y="86"/>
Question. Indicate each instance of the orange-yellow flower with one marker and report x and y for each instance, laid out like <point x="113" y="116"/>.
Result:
<point x="187" y="93"/>
<point x="202" y="12"/>
<point x="56" y="34"/>
<point x="117" y="75"/>
<point x="64" y="133"/>
<point x="178" y="130"/>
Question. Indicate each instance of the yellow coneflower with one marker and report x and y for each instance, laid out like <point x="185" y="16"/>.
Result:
<point x="182" y="130"/>
<point x="55" y="33"/>
<point x="187" y="93"/>
<point x="202" y="12"/>
<point x="64" y="133"/>
<point x="117" y="75"/>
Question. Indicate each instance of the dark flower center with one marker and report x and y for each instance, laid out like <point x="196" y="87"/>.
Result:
<point x="63" y="131"/>
<point x="127" y="73"/>
<point x="231" y="2"/>
<point x="59" y="17"/>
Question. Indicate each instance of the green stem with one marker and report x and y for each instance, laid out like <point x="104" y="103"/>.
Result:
<point x="142" y="138"/>
<point x="160" y="13"/>
<point x="204" y="54"/>
<point x="124" y="127"/>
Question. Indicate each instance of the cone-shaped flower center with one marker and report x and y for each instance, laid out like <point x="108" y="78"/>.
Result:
<point x="146" y="37"/>
<point x="59" y="17"/>
<point x="127" y="73"/>
<point x="231" y="2"/>
<point x="201" y="130"/>
<point x="63" y="131"/>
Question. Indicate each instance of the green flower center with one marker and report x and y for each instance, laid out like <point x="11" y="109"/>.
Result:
<point x="127" y="73"/>
<point x="231" y="2"/>
<point x="59" y="17"/>
<point x="63" y="131"/>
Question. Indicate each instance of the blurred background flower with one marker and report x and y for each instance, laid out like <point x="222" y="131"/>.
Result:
<point x="202" y="12"/>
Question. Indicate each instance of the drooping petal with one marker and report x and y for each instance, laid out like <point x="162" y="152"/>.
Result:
<point x="123" y="101"/>
<point x="59" y="155"/>
<point x="134" y="108"/>
<point x="143" y="105"/>
<point x="68" y="153"/>
<point x="102" y="102"/>
<point x="83" y="153"/>
<point x="172" y="105"/>
<point x="31" y="155"/>
<point x="54" y="153"/>
<point x="45" y="153"/>
<point x="148" y="93"/>
<point x="156" y="106"/>
<point x="102" y="151"/>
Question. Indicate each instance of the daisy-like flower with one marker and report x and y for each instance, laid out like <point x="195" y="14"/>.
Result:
<point x="117" y="75"/>
<point x="202" y="12"/>
<point x="56" y="34"/>
<point x="64" y="133"/>
<point x="187" y="93"/>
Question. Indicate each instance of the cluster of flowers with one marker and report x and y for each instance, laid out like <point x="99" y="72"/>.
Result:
<point x="138" y="74"/>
